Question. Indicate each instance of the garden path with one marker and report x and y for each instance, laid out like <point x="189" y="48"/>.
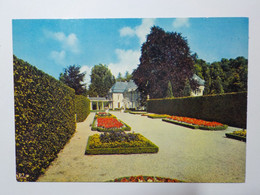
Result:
<point x="184" y="154"/>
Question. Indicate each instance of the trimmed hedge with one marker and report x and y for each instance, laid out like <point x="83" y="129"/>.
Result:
<point x="44" y="119"/>
<point x="150" y="148"/>
<point x="229" y="108"/>
<point x="237" y="137"/>
<point x="82" y="106"/>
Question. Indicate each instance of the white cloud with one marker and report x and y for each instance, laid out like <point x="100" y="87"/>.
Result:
<point x="181" y="22"/>
<point x="58" y="57"/>
<point x="126" y="31"/>
<point x="87" y="69"/>
<point x="127" y="61"/>
<point x="140" y="31"/>
<point x="68" y="43"/>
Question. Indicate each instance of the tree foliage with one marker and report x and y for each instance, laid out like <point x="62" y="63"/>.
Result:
<point x="101" y="81"/>
<point x="227" y="75"/>
<point x="74" y="78"/>
<point x="165" y="57"/>
<point x="169" y="92"/>
<point x="127" y="77"/>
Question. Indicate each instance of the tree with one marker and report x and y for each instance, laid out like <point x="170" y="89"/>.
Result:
<point x="187" y="89"/>
<point x="101" y="81"/>
<point x="165" y="57"/>
<point x="169" y="92"/>
<point x="119" y="77"/>
<point x="128" y="76"/>
<point x="74" y="78"/>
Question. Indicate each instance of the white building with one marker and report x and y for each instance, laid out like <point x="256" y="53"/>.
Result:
<point x="201" y="82"/>
<point x="124" y="95"/>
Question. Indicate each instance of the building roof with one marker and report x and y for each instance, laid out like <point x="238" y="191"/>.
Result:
<point x="200" y="81"/>
<point x="121" y="87"/>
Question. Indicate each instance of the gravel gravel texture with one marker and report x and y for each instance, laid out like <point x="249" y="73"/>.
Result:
<point x="198" y="156"/>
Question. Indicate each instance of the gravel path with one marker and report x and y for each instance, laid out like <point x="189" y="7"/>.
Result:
<point x="185" y="154"/>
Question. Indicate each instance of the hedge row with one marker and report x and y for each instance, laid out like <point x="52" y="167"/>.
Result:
<point x="44" y="119"/>
<point x="82" y="106"/>
<point x="230" y="109"/>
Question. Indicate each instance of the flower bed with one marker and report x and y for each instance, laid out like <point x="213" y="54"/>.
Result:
<point x="238" y="135"/>
<point x="102" y="114"/>
<point x="158" y="115"/>
<point x="138" y="112"/>
<point x="145" y="179"/>
<point x="111" y="123"/>
<point x="195" y="123"/>
<point x="119" y="143"/>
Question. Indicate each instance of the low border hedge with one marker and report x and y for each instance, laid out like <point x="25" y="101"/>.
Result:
<point x="100" y="129"/>
<point x="129" y="150"/>
<point x="196" y="126"/>
<point x="237" y="137"/>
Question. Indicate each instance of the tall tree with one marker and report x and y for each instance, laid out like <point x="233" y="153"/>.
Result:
<point x="169" y="92"/>
<point x="101" y="81"/>
<point x="165" y="57"/>
<point x="74" y="78"/>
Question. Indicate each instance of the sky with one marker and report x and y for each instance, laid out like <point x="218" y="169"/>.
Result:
<point x="53" y="44"/>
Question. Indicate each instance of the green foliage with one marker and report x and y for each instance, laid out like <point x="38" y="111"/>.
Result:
<point x="74" y="78"/>
<point x="187" y="89"/>
<point x="82" y="106"/>
<point x="127" y="77"/>
<point x="44" y="118"/>
<point x="101" y="81"/>
<point x="165" y="57"/>
<point x="230" y="108"/>
<point x="224" y="76"/>
<point x="169" y="92"/>
<point x="96" y="147"/>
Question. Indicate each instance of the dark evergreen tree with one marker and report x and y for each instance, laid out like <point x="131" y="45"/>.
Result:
<point x="74" y="79"/>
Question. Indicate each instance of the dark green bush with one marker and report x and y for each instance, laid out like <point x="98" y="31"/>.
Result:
<point x="82" y="106"/>
<point x="44" y="118"/>
<point x="230" y="108"/>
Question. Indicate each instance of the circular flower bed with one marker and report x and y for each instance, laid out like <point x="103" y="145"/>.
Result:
<point x="146" y="179"/>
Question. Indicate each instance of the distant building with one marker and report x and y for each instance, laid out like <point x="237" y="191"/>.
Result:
<point x="201" y="82"/>
<point x="124" y="95"/>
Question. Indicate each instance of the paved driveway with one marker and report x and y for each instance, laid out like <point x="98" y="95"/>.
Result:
<point x="185" y="154"/>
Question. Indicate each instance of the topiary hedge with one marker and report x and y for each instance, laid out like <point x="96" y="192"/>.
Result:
<point x="230" y="108"/>
<point x="44" y="119"/>
<point x="82" y="106"/>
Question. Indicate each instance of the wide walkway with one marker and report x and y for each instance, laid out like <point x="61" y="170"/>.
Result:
<point x="184" y="154"/>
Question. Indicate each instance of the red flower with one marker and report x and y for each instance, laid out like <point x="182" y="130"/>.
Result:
<point x="109" y="123"/>
<point x="124" y="180"/>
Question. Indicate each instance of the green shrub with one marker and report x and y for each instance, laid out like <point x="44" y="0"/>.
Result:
<point x="44" y="118"/>
<point x="230" y="108"/>
<point x="82" y="106"/>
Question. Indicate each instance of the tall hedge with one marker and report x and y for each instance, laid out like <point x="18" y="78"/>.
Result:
<point x="44" y="119"/>
<point x="230" y="108"/>
<point x="82" y="105"/>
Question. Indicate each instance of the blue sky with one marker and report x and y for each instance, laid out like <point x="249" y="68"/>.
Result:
<point x="52" y="45"/>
